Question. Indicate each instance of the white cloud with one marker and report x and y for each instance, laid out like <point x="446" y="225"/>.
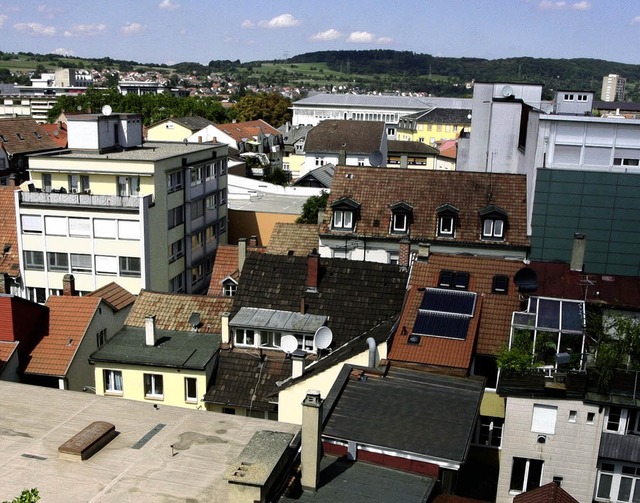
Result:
<point x="133" y="28"/>
<point x="384" y="40"/>
<point x="63" y="52"/>
<point x="563" y="5"/>
<point x="635" y="20"/>
<point x="3" y="18"/>
<point x="323" y="36"/>
<point x="85" y="30"/>
<point x="47" y="11"/>
<point x="361" y="37"/>
<point x="168" y="5"/>
<point x="247" y="24"/>
<point x="281" y="21"/>
<point x="35" y="29"/>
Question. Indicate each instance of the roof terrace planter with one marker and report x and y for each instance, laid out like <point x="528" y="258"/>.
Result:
<point x="84" y="200"/>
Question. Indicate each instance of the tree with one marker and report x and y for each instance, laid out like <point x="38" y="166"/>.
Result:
<point x="270" y="107"/>
<point x="27" y="496"/>
<point x="312" y="207"/>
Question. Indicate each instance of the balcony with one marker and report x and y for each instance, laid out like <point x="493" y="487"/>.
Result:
<point x="83" y="200"/>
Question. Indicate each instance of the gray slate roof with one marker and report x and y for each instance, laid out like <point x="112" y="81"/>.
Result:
<point x="410" y="147"/>
<point x="186" y="350"/>
<point x="382" y="101"/>
<point x="442" y="116"/>
<point x="407" y="411"/>
<point x="354" y="137"/>
<point x="294" y="134"/>
<point x="323" y="174"/>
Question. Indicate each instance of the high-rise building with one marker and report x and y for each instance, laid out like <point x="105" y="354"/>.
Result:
<point x="613" y="88"/>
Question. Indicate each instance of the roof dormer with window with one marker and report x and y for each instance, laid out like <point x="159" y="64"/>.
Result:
<point x="448" y="217"/>
<point x="344" y="214"/>
<point x="401" y="217"/>
<point x="494" y="223"/>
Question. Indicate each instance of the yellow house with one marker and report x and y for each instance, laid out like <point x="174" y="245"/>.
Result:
<point x="176" y="129"/>
<point x="435" y="125"/>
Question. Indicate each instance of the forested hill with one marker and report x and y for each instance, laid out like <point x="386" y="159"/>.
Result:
<point x="581" y="74"/>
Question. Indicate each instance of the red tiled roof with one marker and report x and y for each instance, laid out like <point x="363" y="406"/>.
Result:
<point x="172" y="310"/>
<point x="224" y="265"/>
<point x="301" y="239"/>
<point x="548" y="493"/>
<point x="248" y="129"/>
<point x="493" y="313"/>
<point x="376" y="189"/>
<point x="6" y="351"/>
<point x="57" y="132"/>
<point x="9" y="261"/>
<point x="34" y="138"/>
<point x="69" y="318"/>
<point x="116" y="296"/>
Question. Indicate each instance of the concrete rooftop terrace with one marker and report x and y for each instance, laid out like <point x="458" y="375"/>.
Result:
<point x="35" y="421"/>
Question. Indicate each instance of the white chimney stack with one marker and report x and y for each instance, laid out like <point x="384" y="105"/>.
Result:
<point x="226" y="331"/>
<point x="150" y="333"/>
<point x="311" y="440"/>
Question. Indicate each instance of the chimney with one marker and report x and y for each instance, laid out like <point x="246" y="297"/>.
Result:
<point x="424" y="249"/>
<point x="199" y="139"/>
<point x="373" y="347"/>
<point x="150" y="332"/>
<point x="320" y="216"/>
<point x="297" y="363"/>
<point x="226" y="331"/>
<point x="311" y="440"/>
<point x="313" y="271"/>
<point x="242" y="252"/>
<point x="214" y="139"/>
<point x="253" y="241"/>
<point x="303" y="306"/>
<point x="403" y="256"/>
<point x="69" y="285"/>
<point x="342" y="158"/>
<point x="5" y="283"/>
<point x="577" y="254"/>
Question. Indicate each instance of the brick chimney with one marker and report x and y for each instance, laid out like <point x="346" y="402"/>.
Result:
<point x="69" y="285"/>
<point x="242" y="252"/>
<point x="405" y="249"/>
<point x="253" y="241"/>
<point x="311" y="450"/>
<point x="577" y="253"/>
<point x="313" y="271"/>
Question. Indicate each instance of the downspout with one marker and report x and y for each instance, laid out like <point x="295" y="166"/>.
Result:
<point x="372" y="351"/>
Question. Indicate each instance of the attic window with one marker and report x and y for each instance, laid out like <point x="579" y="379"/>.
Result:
<point x="3" y="138"/>
<point x="20" y="137"/>
<point x="494" y="222"/>
<point x="500" y="284"/>
<point x="37" y="135"/>
<point x="400" y="217"/>
<point x="447" y="219"/>
<point x="454" y="279"/>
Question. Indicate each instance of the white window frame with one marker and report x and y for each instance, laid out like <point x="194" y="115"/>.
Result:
<point x="620" y="473"/>
<point x="128" y="229"/>
<point x="105" y="228"/>
<point x="55" y="261"/>
<point x="176" y="250"/>
<point x="32" y="263"/>
<point x="153" y="386"/>
<point x="175" y="181"/>
<point x="444" y="230"/>
<point x="81" y="262"/>
<point x="31" y="224"/>
<point x="106" y="264"/>
<point x="55" y="226"/>
<point x="80" y="227"/>
<point x="196" y="176"/>
<point x="543" y="418"/>
<point x="229" y="288"/>
<point x="188" y="397"/>
<point x="525" y="480"/>
<point x="493" y="228"/>
<point x="246" y="337"/>
<point x="111" y="380"/>
<point x="343" y="219"/>
<point x="127" y="267"/>
<point x="400" y="222"/>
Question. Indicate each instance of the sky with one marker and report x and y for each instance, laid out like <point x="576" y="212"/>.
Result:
<point x="174" y="31"/>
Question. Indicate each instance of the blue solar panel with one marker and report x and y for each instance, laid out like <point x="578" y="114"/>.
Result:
<point x="448" y="301"/>
<point x="453" y="326"/>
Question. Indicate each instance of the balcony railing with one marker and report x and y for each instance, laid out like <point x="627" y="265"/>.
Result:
<point x="65" y="199"/>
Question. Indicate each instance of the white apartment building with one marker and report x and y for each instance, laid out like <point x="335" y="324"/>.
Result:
<point x="111" y="208"/>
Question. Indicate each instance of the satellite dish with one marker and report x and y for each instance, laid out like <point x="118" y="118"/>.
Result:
<point x="507" y="91"/>
<point x="194" y="320"/>
<point x="107" y="110"/>
<point x="375" y="158"/>
<point x="526" y="280"/>
<point x="289" y="343"/>
<point x="323" y="338"/>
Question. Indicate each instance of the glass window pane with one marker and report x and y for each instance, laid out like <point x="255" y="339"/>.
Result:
<point x="571" y="316"/>
<point x="548" y="313"/>
<point x="517" y="474"/>
<point x="604" y="487"/>
<point x="624" y="493"/>
<point x="535" y="474"/>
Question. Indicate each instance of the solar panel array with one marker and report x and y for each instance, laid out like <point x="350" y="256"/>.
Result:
<point x="444" y="313"/>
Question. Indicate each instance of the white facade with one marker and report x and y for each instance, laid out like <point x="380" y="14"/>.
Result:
<point x="543" y="439"/>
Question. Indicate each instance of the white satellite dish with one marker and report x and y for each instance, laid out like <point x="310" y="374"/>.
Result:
<point x="107" y="110"/>
<point x="507" y="91"/>
<point x="289" y="343"/>
<point x="375" y="158"/>
<point x="323" y="338"/>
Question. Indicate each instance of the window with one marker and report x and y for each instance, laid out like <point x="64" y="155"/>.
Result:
<point x="621" y="161"/>
<point x="446" y="225"/>
<point x="73" y="184"/>
<point x="31" y="224"/>
<point x="103" y="228"/>
<point x="270" y="339"/>
<point x="197" y="209"/>
<point x="526" y="474"/>
<point x="79" y="227"/>
<point x="493" y="228"/>
<point x="130" y="266"/>
<point x="128" y="185"/>
<point x="319" y="161"/>
<point x="175" y="216"/>
<point x="175" y="181"/>
<point x="591" y="416"/>
<point x="101" y="337"/>
<point x="128" y="229"/>
<point x="80" y="263"/>
<point x="229" y="288"/>
<point x="544" y="418"/>
<point x="176" y="250"/>
<point x="245" y="337"/>
<point x="176" y="284"/>
<point x="573" y="416"/>
<point x="209" y="172"/>
<point x="196" y="176"/>
<point x="84" y="183"/>
<point x="452" y="279"/>
<point x="46" y="182"/>
<point x="197" y="240"/>
<point x="400" y="222"/>
<point x="568" y="97"/>
<point x="582" y="97"/>
<point x="489" y="431"/>
<point x="221" y="167"/>
<point x="222" y="196"/>
<point x="229" y="410"/>
<point x="618" y="482"/>
<point x="342" y="219"/>
<point x="36" y="294"/>
<point x="58" y="261"/>
<point x="55" y="226"/>
<point x="112" y="381"/>
<point x="360" y="161"/>
<point x="106" y="264"/>
<point x="500" y="284"/>
<point x="197" y="274"/>
<point x="190" y="390"/>
<point x="212" y="201"/>
<point x="153" y="386"/>
<point x="34" y="260"/>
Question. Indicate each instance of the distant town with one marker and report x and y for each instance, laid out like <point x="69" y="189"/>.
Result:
<point x="218" y="290"/>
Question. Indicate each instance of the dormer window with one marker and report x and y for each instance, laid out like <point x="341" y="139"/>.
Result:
<point x="229" y="287"/>
<point x="401" y="214"/>
<point x="447" y="220"/>
<point x="494" y="222"/>
<point x="344" y="214"/>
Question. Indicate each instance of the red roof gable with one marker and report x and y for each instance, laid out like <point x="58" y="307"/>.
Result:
<point x="9" y="259"/>
<point x="248" y="129"/>
<point x="548" y="493"/>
